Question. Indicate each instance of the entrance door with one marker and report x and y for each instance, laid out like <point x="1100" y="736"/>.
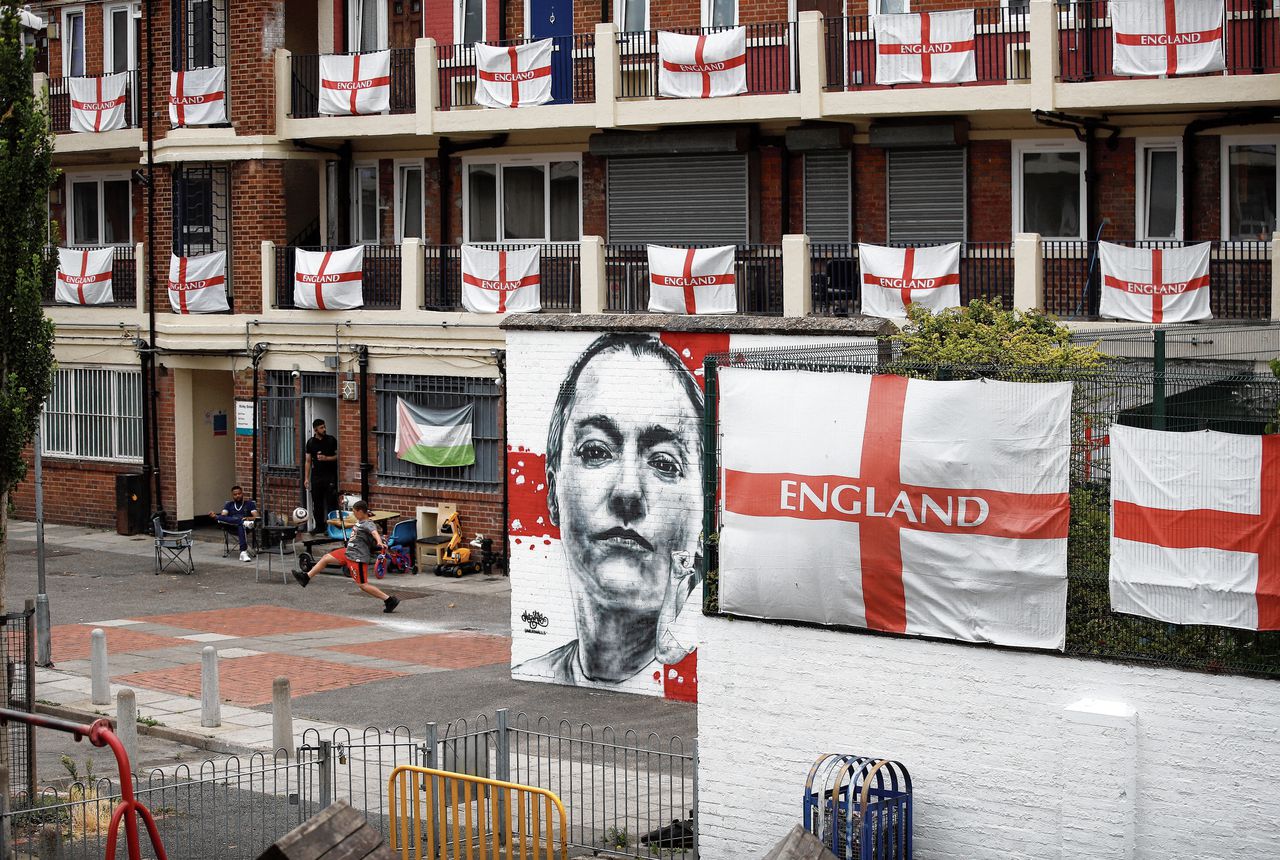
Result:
<point x="553" y="19"/>
<point x="406" y="22"/>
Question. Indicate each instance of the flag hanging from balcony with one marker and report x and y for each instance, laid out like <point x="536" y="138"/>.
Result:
<point x="909" y="506"/>
<point x="1167" y="37"/>
<point x="692" y="280"/>
<point x="1155" y="284"/>
<point x="499" y="282"/>
<point x="198" y="285"/>
<point x="925" y="48"/>
<point x="198" y="97"/>
<point x="354" y="84"/>
<point x="514" y="76"/>
<point x="97" y="104"/>
<point x="1195" y="527"/>
<point x="893" y="279"/>
<point x="434" y="437"/>
<point x="704" y="66"/>
<point x="84" y="276"/>
<point x="329" y="280"/>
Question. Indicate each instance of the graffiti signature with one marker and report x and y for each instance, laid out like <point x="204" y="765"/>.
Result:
<point x="534" y="619"/>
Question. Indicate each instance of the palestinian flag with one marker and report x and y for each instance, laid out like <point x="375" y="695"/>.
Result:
<point x="434" y="437"/>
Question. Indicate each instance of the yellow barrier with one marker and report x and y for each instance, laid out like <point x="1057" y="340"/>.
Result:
<point x="439" y="814"/>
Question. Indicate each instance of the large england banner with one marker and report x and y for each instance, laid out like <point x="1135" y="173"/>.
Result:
<point x="329" y="280"/>
<point x="353" y="84"/>
<point x="198" y="97"/>
<point x="84" y="276"/>
<point x="1166" y="37"/>
<point x="514" y="76"/>
<point x="925" y="48"/>
<point x="908" y="506"/>
<point x="702" y="67"/>
<point x="1155" y="284"/>
<point x="198" y="285"/>
<point x="893" y="279"/>
<point x="692" y="280"/>
<point x="97" y="104"/>
<point x="1195" y="527"/>
<point x="499" y="282"/>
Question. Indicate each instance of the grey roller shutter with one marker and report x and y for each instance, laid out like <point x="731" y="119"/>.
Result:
<point x="675" y="200"/>
<point x="927" y="195"/>
<point x="828" y="196"/>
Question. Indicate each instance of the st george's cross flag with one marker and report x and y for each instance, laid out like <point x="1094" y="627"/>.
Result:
<point x="97" y="104"/>
<point x="329" y="280"/>
<point x="198" y="97"/>
<point x="198" y="285"/>
<point x="925" y="48"/>
<point x="84" y="276"/>
<point x="434" y="437"/>
<point x="355" y="84"/>
<point x="1167" y="37"/>
<point x="1155" y="285"/>
<point x="1195" y="527"/>
<point x="514" y="76"/>
<point x="702" y="67"/>
<point x="908" y="506"/>
<point x="499" y="282"/>
<point x="893" y="279"/>
<point x="692" y="280"/>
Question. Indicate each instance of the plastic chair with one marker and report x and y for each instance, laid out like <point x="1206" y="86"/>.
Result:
<point x="337" y="532"/>
<point x="173" y="548"/>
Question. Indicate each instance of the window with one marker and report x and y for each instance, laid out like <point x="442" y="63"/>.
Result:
<point x="719" y="13"/>
<point x="279" y="406"/>
<point x="201" y="41"/>
<point x="441" y="392"/>
<point x="101" y="210"/>
<point x="118" y="48"/>
<point x="632" y="15"/>
<point x="521" y="200"/>
<point x="201" y="214"/>
<point x="368" y="25"/>
<point x="409" y="209"/>
<point x="1048" y="189"/>
<point x="470" y="21"/>
<point x="1158" y="190"/>
<point x="72" y="43"/>
<point x="94" y="413"/>
<point x="364" y="224"/>
<point x="888" y="7"/>
<point x="1249" y="181"/>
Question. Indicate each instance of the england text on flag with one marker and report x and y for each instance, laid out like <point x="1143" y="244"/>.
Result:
<point x="1195" y="527"/>
<point x="1155" y="284"/>
<point x="692" y="280"/>
<point x="910" y="506"/>
<point x="198" y="285"/>
<point x="514" y="76"/>
<point x="329" y="280"/>
<point x="198" y="97"/>
<point x="352" y="84"/>
<point x="702" y="67"/>
<point x="434" y="437"/>
<point x="1167" y="37"/>
<point x="893" y="279"/>
<point x="925" y="48"/>
<point x="502" y="281"/>
<point x="84" y="276"/>
<point x="97" y="104"/>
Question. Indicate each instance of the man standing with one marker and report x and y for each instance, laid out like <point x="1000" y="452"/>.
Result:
<point x="322" y="474"/>
<point x="234" y="512"/>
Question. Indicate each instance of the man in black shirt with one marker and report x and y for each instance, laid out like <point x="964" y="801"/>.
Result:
<point x="322" y="474"/>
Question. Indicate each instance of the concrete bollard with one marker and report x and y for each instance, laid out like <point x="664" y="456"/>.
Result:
<point x="210" y="700"/>
<point x="101" y="678"/>
<point x="281" y="716"/>
<point x="127" y="724"/>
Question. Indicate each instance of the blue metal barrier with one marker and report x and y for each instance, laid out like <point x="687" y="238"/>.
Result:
<point x="860" y="807"/>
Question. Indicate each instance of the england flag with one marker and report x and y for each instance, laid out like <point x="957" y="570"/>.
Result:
<point x="692" y="280"/>
<point x="925" y="48"/>
<point x="329" y="280"/>
<point x="499" y="282"/>
<point x="97" y="104"/>
<point x="1155" y="285"/>
<point x="1167" y="37"/>
<point x="84" y="276"/>
<point x="893" y="279"/>
<point x="702" y="67"/>
<point x="198" y="97"/>
<point x="198" y="285"/>
<point x="355" y="84"/>
<point x="514" y="76"/>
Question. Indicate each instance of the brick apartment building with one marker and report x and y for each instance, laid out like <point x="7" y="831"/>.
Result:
<point x="1025" y="167"/>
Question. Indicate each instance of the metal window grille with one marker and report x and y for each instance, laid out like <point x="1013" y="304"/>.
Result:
<point x="200" y="40"/>
<point x="279" y="422"/>
<point x="94" y="413"/>
<point x="441" y="392"/>
<point x="202" y="212"/>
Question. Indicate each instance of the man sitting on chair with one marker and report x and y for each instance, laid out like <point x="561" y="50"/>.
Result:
<point x="234" y="512"/>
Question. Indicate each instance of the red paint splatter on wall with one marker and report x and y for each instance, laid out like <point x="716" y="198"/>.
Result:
<point x="680" y="680"/>
<point x="527" y="497"/>
<point x="694" y="348"/>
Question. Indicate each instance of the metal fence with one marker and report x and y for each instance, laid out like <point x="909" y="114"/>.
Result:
<point x="772" y="62"/>
<point x="381" y="275"/>
<point x="60" y="103"/>
<point x="124" y="275"/>
<point x="304" y="83"/>
<point x="17" y="648"/>
<point x="757" y="268"/>
<point x="561" y="275"/>
<point x="573" y="70"/>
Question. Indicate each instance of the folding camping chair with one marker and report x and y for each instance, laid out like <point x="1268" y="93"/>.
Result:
<point x="173" y="548"/>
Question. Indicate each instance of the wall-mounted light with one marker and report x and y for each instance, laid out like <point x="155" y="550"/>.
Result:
<point x="55" y="195"/>
<point x="54" y="30"/>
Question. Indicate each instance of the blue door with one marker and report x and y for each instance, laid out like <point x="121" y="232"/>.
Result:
<point x="553" y="19"/>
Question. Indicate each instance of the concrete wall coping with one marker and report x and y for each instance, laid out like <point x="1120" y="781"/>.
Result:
<point x="728" y="323"/>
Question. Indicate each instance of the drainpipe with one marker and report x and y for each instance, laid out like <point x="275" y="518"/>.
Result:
<point x="258" y="351"/>
<point x="151" y="461"/>
<point x="365" y="465"/>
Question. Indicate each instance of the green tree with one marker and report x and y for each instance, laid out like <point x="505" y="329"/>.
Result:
<point x="26" y="175"/>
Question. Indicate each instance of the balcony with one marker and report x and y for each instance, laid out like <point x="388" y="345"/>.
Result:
<point x="573" y="71"/>
<point x="772" y="59"/>
<point x="60" y="119"/>
<point x="758" y="269"/>
<point x="560" y="267"/>
<point x="381" y="276"/>
<point x="304" y="84"/>
<point x="124" y="277"/>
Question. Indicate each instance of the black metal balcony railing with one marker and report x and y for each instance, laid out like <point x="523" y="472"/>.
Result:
<point x="124" y="276"/>
<point x="1239" y="278"/>
<point x="758" y="269"/>
<point x="561" y="276"/>
<point x="60" y="103"/>
<point x="986" y="271"/>
<point x="304" y="84"/>
<point x="573" y="70"/>
<point x="1001" y="50"/>
<point x="381" y="276"/>
<point x="1084" y="40"/>
<point x="772" y="63"/>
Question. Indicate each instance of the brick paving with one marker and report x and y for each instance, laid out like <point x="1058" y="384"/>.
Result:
<point x="261" y="620"/>
<point x="442" y="650"/>
<point x="72" y="641"/>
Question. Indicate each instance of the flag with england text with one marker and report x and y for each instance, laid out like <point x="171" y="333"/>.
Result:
<point x="355" y="84"/>
<point x="499" y="282"/>
<point x="515" y="75"/>
<point x="908" y="506"/>
<point x="1167" y="37"/>
<point x="329" y="280"/>
<point x="434" y="437"/>
<point x="893" y="279"/>
<point x="692" y="280"/>
<point x="705" y="66"/>
<point x="84" y="276"/>
<point x="925" y="48"/>
<point x="198" y="97"/>
<point x="1155" y="285"/>
<point x="97" y="104"/>
<point x="198" y="285"/>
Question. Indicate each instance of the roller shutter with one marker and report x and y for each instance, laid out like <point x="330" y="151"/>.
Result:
<point x="677" y="200"/>
<point x="927" y="195"/>
<point x="828" y="196"/>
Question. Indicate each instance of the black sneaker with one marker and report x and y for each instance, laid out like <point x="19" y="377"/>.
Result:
<point x="390" y="604"/>
<point x="302" y="578"/>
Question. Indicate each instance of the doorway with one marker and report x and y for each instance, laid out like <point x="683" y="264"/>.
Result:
<point x="553" y="19"/>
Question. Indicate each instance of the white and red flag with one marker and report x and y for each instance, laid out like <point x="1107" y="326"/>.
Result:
<point x="908" y="506"/>
<point x="702" y="67"/>
<point x="925" y="48"/>
<point x="692" y="280"/>
<point x="198" y="97"/>
<point x="1195" y="527"/>
<point x="355" y="84"/>
<point x="1167" y="37"/>
<point x="84" y="276"/>
<point x="1155" y="284"/>
<point x="514" y="76"/>
<point x="97" y="104"/>
<point x="893" y="279"/>
<point x="198" y="285"/>
<point x="499" y="282"/>
<point x="329" y="280"/>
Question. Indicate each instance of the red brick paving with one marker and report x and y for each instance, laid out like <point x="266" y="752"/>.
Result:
<point x="443" y="650"/>
<point x="247" y="680"/>
<point x="261" y="620"/>
<point x="72" y="641"/>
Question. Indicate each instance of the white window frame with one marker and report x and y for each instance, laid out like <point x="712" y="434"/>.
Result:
<point x="67" y="14"/>
<point x="131" y="12"/>
<point x="873" y="7"/>
<point x="707" y="8"/>
<point x="1141" y="146"/>
<point x="356" y="206"/>
<point x="399" y="166"/>
<point x="99" y="178"/>
<point x="500" y="161"/>
<point x="459" y="7"/>
<point x="1027" y="147"/>
<point x="1224" y="173"/>
<point x="619" y="11"/>
<point x="76" y="399"/>
<point x="353" y="25"/>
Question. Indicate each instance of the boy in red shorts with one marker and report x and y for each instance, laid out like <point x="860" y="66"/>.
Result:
<point x="357" y="556"/>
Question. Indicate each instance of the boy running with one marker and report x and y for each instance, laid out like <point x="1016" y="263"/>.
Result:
<point x="361" y="550"/>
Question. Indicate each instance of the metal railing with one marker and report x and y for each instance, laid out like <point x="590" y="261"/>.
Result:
<point x="17" y="648"/>
<point x="304" y="84"/>
<point x="559" y="266"/>
<point x="60" y="103"/>
<point x="1252" y="32"/>
<point x="124" y="275"/>
<point x="758" y="269"/>
<point x="1001" y="50"/>
<point x="573" y="71"/>
<point x="772" y="62"/>
<point x="381" y="275"/>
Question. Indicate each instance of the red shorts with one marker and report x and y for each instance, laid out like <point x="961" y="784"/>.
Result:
<point x="357" y="570"/>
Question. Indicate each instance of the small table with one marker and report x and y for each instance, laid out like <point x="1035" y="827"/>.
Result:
<point x="282" y="535"/>
<point x="380" y="519"/>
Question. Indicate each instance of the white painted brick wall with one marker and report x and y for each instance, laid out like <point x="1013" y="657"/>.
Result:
<point x="998" y="763"/>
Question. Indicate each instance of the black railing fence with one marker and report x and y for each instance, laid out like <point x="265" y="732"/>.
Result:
<point x="304" y="84"/>
<point x="381" y="276"/>
<point x="772" y="62"/>
<point x="560" y="270"/>
<point x="573" y="70"/>
<point x="758" y="269"/>
<point x="124" y="275"/>
<point x="60" y="102"/>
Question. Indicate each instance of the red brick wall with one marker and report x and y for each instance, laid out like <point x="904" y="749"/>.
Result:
<point x="595" y="219"/>
<point x="257" y="215"/>
<point x="1205" y="195"/>
<point x="255" y="30"/>
<point x="990" y="211"/>
<point x="869" y="187"/>
<point x="1114" y="185"/>
<point x="76" y="492"/>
